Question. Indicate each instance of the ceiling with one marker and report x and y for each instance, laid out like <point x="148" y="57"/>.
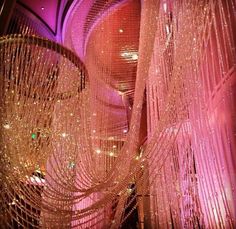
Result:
<point x="50" y="12"/>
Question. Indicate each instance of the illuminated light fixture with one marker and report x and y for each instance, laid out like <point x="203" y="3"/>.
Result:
<point x="64" y="135"/>
<point x="42" y="8"/>
<point x="6" y="126"/>
<point x="114" y="146"/>
<point x="165" y="7"/>
<point x="129" y="55"/>
<point x="134" y="56"/>
<point x="98" y="151"/>
<point x="33" y="135"/>
<point x="121" y="30"/>
<point x="111" y="154"/>
<point x="125" y="131"/>
<point x="36" y="180"/>
<point x="129" y="190"/>
<point x="71" y="165"/>
<point x="30" y="112"/>
<point x="12" y="203"/>
<point x="167" y="29"/>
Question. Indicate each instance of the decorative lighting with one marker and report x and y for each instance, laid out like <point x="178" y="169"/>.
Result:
<point x="111" y="154"/>
<point x="38" y="70"/>
<point x="129" y="190"/>
<point x="71" y="165"/>
<point x="129" y="55"/>
<point x="98" y="151"/>
<point x="165" y="7"/>
<point x="33" y="135"/>
<point x="36" y="180"/>
<point x="134" y="56"/>
<point x="7" y="126"/>
<point x="167" y="29"/>
<point x="125" y="131"/>
<point x="64" y="135"/>
<point x="82" y="197"/>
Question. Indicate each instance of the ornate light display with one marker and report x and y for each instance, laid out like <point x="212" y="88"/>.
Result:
<point x="69" y="157"/>
<point x="38" y="77"/>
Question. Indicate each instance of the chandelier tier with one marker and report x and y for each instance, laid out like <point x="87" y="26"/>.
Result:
<point x="40" y="87"/>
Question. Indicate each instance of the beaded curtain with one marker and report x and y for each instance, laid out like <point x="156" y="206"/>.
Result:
<point x="112" y="68"/>
<point x="193" y="63"/>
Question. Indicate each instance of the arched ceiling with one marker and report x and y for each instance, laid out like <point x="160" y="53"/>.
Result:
<point x="110" y="33"/>
<point x="50" y="12"/>
<point x="105" y="34"/>
<point x="46" y="10"/>
<point x="118" y="29"/>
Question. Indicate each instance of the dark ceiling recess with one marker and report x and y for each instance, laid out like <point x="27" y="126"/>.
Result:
<point x="37" y="16"/>
<point x="97" y="8"/>
<point x="6" y="9"/>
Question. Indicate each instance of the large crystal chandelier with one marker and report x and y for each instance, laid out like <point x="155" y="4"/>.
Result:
<point x="41" y="84"/>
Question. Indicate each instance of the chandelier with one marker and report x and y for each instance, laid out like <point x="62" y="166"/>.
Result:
<point x="41" y="84"/>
